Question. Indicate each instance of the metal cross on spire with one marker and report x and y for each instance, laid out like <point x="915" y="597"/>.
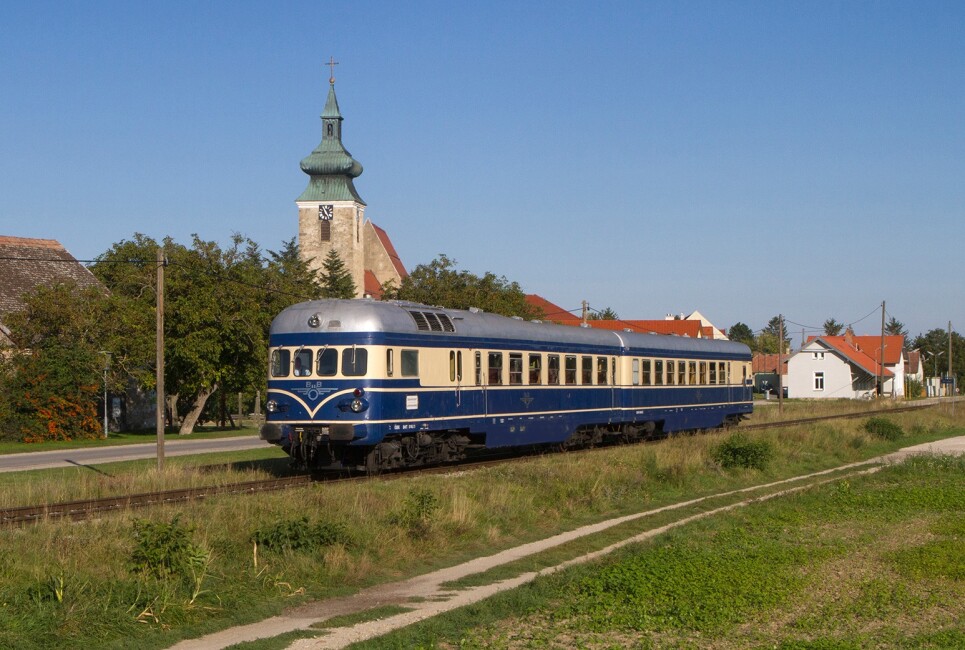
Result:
<point x="331" y="64"/>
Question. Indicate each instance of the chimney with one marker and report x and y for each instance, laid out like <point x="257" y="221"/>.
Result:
<point x="849" y="336"/>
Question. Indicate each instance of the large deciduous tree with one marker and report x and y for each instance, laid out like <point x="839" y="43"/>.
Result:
<point x="440" y="283"/>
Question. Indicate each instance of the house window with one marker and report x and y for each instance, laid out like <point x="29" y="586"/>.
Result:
<point x="819" y="381"/>
<point x="818" y="356"/>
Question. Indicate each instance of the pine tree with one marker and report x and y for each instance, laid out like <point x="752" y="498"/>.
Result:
<point x="335" y="278"/>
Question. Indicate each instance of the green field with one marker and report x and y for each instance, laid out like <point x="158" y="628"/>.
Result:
<point x="148" y="578"/>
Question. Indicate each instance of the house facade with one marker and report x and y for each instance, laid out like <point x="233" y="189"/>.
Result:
<point x="847" y="367"/>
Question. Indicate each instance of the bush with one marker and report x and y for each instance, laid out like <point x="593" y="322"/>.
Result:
<point x="883" y="428"/>
<point x="300" y="534"/>
<point x="739" y="451"/>
<point x="164" y="550"/>
<point x="417" y="512"/>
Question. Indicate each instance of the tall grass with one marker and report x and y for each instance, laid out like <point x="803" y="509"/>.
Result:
<point x="69" y="585"/>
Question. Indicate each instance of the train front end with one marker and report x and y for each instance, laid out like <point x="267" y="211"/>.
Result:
<point x="320" y="407"/>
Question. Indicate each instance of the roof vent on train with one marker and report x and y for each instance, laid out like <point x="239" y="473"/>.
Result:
<point x="430" y="321"/>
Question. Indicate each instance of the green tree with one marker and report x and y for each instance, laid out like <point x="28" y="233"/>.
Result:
<point x="605" y="314"/>
<point x="767" y="340"/>
<point x="934" y="349"/>
<point x="51" y="386"/>
<point x="832" y="327"/>
<point x="895" y="327"/>
<point x="741" y="333"/>
<point x="336" y="279"/>
<point x="441" y="283"/>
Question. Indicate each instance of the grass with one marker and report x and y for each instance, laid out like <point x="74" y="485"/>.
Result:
<point x="878" y="561"/>
<point x="64" y="585"/>
<point x="123" y="438"/>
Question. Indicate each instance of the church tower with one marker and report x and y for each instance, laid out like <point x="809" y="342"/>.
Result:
<point x="331" y="214"/>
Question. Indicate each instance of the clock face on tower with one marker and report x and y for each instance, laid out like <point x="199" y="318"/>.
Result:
<point x="325" y="212"/>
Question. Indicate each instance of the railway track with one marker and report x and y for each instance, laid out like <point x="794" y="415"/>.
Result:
<point x="86" y="509"/>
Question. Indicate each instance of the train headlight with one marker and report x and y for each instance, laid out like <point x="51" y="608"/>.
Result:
<point x="357" y="406"/>
<point x="271" y="406"/>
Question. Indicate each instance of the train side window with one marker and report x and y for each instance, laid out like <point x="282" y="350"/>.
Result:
<point x="459" y="365"/>
<point x="587" y="366"/>
<point x="535" y="369"/>
<point x="452" y="365"/>
<point x="647" y="374"/>
<point x="692" y="375"/>
<point x="613" y="371"/>
<point x="389" y="362"/>
<point x="658" y="372"/>
<point x="495" y="368"/>
<point x="303" y="363"/>
<point x="326" y="363"/>
<point x="671" y="372"/>
<point x="570" y="370"/>
<point x="635" y="371"/>
<point x="681" y="373"/>
<point x="553" y="369"/>
<point x="280" y="363"/>
<point x="713" y="373"/>
<point x="410" y="363"/>
<point x="723" y="372"/>
<point x="355" y="362"/>
<point x="478" y="356"/>
<point x="703" y="373"/>
<point x="515" y="368"/>
<point x="601" y="371"/>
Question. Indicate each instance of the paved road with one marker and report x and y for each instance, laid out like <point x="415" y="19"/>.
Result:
<point x="116" y="453"/>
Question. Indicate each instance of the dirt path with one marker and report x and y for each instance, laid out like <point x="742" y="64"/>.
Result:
<point x="425" y="597"/>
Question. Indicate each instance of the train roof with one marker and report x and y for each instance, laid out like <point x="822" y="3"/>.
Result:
<point x="365" y="315"/>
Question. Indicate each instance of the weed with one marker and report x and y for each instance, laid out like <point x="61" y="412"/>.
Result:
<point x="884" y="428"/>
<point x="739" y="451"/>
<point x="301" y="535"/>
<point x="418" y="512"/>
<point x="163" y="550"/>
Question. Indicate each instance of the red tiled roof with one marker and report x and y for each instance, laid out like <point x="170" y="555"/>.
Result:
<point x="551" y="312"/>
<point x="372" y="285"/>
<point x="871" y="345"/>
<point x="856" y="356"/>
<point x="390" y="249"/>
<point x="689" y="328"/>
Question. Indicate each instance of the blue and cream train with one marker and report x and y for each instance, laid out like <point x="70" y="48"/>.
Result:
<point x="374" y="385"/>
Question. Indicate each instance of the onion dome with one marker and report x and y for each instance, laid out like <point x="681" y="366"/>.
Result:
<point x="330" y="166"/>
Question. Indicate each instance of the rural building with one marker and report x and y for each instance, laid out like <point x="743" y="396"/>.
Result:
<point x="331" y="214"/>
<point x="847" y="366"/>
<point x="26" y="264"/>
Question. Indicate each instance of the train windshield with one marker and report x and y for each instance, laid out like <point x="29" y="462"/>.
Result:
<point x="280" y="363"/>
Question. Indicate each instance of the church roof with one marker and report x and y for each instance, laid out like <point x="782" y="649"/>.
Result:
<point x="330" y="166"/>
<point x="390" y="251"/>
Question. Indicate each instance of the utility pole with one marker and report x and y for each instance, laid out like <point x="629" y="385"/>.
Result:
<point x="952" y="385"/>
<point x="780" y="363"/>
<point x="586" y="309"/>
<point x="159" y="379"/>
<point x="881" y="362"/>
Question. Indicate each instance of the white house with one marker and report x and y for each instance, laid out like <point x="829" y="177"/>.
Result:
<point x="846" y="367"/>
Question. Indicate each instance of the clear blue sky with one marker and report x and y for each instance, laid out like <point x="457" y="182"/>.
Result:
<point x="741" y="158"/>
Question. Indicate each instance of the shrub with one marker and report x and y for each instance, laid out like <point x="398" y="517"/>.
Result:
<point x="417" y="513"/>
<point x="883" y="428"/>
<point x="739" y="451"/>
<point x="164" y="550"/>
<point x="300" y="534"/>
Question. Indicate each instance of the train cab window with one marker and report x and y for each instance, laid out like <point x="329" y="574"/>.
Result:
<point x="326" y="363"/>
<point x="495" y="368"/>
<point x="570" y="371"/>
<point x="478" y="357"/>
<point x="303" y="363"/>
<point x="681" y="373"/>
<point x="355" y="362"/>
<point x="280" y="363"/>
<point x="601" y="371"/>
<point x="647" y="374"/>
<point x="658" y="372"/>
<point x="671" y="372"/>
<point x="712" y="379"/>
<point x="703" y="373"/>
<point x="389" y="363"/>
<point x="410" y="363"/>
<point x="553" y="369"/>
<point x="515" y="368"/>
<point x="535" y="369"/>
<point x="586" y="365"/>
<point x="692" y="374"/>
<point x="635" y="371"/>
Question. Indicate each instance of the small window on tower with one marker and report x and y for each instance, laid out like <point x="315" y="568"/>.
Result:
<point x="325" y="228"/>
<point x="330" y="130"/>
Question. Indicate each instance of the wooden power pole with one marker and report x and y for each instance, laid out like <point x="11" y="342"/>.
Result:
<point x="159" y="342"/>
